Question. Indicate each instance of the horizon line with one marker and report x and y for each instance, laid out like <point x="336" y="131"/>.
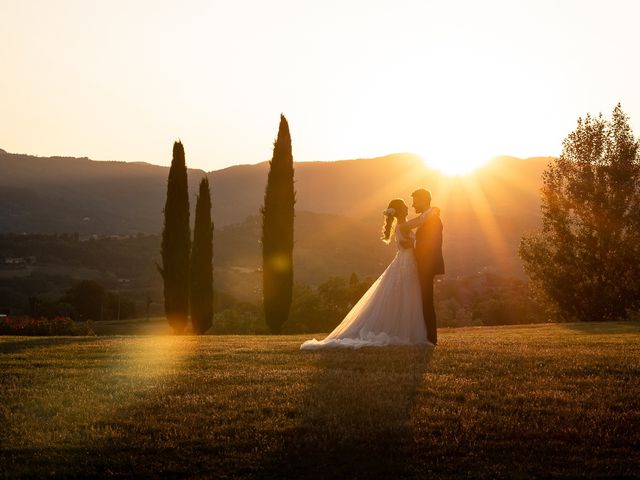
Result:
<point x="426" y="163"/>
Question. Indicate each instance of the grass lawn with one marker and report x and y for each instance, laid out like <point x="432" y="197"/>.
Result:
<point x="506" y="402"/>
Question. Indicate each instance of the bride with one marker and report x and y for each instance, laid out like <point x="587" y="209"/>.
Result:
<point x="390" y="312"/>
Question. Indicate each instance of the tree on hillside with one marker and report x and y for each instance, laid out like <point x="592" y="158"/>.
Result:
<point x="88" y="298"/>
<point x="277" y="232"/>
<point x="201" y="289"/>
<point x="176" y="239"/>
<point x="586" y="257"/>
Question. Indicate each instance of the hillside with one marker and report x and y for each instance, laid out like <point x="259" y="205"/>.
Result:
<point x="484" y="214"/>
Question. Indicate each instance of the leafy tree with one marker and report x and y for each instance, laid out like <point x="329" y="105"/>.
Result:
<point x="201" y="289"/>
<point x="335" y="294"/>
<point x="323" y="308"/>
<point x="277" y="232"/>
<point x="357" y="288"/>
<point x="118" y="307"/>
<point x="176" y="239"/>
<point x="586" y="257"/>
<point x="88" y="298"/>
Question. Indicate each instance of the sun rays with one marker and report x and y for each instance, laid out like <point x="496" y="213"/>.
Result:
<point x="455" y="164"/>
<point x="471" y="200"/>
<point x="477" y="205"/>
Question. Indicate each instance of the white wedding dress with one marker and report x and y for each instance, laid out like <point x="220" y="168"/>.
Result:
<point x="389" y="313"/>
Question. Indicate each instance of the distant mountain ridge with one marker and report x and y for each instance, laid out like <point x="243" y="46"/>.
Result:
<point x="69" y="189"/>
<point x="487" y="210"/>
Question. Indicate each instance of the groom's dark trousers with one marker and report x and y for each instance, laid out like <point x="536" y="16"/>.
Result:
<point x="428" y="250"/>
<point x="428" y="309"/>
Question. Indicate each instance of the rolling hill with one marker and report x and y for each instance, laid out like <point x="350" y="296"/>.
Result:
<point x="484" y="213"/>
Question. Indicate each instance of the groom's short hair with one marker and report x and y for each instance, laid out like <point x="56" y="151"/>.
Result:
<point x="422" y="193"/>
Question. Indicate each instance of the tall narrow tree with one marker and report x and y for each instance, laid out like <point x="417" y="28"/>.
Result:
<point x="176" y="240"/>
<point x="277" y="232"/>
<point x="201" y="289"/>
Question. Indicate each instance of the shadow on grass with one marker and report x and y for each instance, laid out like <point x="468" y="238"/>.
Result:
<point x="17" y="346"/>
<point x="259" y="408"/>
<point x="154" y="326"/>
<point x="77" y="416"/>
<point x="356" y="417"/>
<point x="252" y="412"/>
<point x="603" y="328"/>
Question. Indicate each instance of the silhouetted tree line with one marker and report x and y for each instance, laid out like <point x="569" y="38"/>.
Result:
<point x="313" y="309"/>
<point x="92" y="302"/>
<point x="473" y="300"/>
<point x="84" y="300"/>
<point x="486" y="298"/>
<point x="480" y="299"/>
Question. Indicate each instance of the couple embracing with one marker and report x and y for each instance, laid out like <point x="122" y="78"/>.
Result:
<point x="398" y="308"/>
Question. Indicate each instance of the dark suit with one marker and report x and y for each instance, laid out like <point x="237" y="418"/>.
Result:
<point x="428" y="250"/>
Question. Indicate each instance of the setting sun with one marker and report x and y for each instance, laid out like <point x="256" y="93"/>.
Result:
<point x="453" y="163"/>
<point x="453" y="153"/>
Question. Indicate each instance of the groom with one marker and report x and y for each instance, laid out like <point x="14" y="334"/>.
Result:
<point x="428" y="250"/>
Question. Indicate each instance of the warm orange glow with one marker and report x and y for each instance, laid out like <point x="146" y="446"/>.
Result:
<point x="486" y="218"/>
<point x="455" y="82"/>
<point x="455" y="163"/>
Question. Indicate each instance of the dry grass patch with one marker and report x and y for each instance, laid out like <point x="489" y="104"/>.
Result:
<point x="527" y="401"/>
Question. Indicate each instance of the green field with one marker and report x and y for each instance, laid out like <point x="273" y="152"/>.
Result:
<point x="506" y="402"/>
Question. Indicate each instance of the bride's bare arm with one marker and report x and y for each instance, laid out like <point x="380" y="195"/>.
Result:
<point x="419" y="220"/>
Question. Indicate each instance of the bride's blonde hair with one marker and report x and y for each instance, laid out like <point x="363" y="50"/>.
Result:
<point x="395" y="207"/>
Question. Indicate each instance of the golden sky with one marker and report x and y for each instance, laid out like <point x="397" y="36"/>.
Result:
<point x="454" y="81"/>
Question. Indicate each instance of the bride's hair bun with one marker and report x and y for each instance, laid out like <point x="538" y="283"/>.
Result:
<point x="396" y="205"/>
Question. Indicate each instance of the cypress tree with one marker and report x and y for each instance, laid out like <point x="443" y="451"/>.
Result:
<point x="176" y="239"/>
<point x="201" y="288"/>
<point x="277" y="232"/>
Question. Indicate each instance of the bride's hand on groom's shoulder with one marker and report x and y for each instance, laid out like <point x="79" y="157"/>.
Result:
<point x="436" y="210"/>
